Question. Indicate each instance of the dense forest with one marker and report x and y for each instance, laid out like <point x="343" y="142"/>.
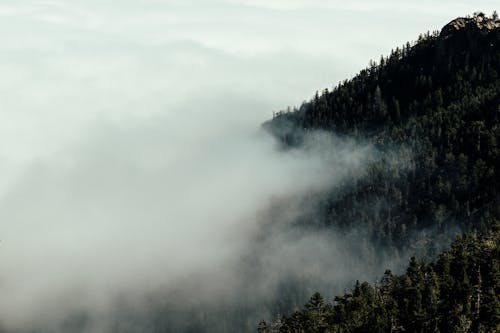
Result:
<point x="457" y="293"/>
<point x="436" y="102"/>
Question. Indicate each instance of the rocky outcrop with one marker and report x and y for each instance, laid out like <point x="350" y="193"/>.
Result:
<point x="469" y="38"/>
<point x="477" y="23"/>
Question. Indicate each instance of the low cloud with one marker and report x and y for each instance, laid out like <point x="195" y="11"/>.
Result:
<point x="142" y="207"/>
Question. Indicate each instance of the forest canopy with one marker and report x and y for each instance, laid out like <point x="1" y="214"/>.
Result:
<point x="440" y="98"/>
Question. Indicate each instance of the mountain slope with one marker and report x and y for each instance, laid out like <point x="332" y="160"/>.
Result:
<point x="439" y="99"/>
<point x="434" y="106"/>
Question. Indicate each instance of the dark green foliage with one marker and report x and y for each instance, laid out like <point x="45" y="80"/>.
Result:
<point x="440" y="100"/>
<point x="437" y="104"/>
<point x="459" y="292"/>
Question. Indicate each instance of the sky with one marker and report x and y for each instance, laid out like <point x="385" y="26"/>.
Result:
<point x="130" y="139"/>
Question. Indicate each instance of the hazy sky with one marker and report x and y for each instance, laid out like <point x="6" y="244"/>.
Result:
<point x="129" y="142"/>
<point x="65" y="63"/>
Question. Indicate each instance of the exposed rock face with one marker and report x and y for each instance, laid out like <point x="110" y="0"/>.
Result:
<point x="478" y="23"/>
<point x="477" y="34"/>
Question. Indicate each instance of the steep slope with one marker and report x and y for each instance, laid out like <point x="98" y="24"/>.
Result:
<point x="436" y="100"/>
<point x="434" y="106"/>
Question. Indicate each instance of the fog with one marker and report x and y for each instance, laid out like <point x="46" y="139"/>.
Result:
<point x="137" y="208"/>
<point x="135" y="175"/>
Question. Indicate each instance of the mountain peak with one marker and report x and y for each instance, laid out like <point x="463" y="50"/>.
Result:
<point x="478" y="22"/>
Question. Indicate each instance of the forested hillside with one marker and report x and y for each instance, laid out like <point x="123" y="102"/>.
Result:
<point x="436" y="102"/>
<point x="459" y="292"/>
<point x="439" y="99"/>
